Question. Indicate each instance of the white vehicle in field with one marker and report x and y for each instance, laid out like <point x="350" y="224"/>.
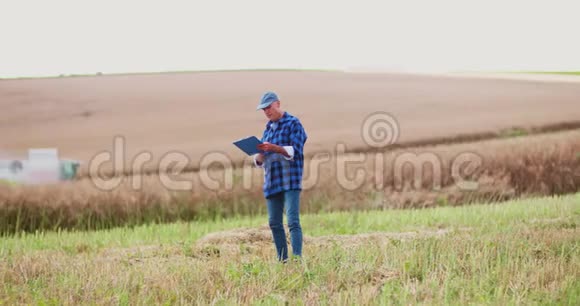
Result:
<point x="42" y="167"/>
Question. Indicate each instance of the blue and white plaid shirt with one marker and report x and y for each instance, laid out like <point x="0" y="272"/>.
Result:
<point x="283" y="173"/>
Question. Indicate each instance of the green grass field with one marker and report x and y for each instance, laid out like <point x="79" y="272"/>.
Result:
<point x="554" y="72"/>
<point x="520" y="252"/>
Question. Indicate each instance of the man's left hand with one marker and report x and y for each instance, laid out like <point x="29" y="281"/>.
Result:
<point x="270" y="147"/>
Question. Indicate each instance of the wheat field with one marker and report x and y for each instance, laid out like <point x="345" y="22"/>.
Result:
<point x="525" y="166"/>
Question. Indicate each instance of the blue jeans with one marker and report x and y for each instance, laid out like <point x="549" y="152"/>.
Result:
<point x="276" y="203"/>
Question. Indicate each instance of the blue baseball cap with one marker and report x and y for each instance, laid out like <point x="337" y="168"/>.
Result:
<point x="267" y="99"/>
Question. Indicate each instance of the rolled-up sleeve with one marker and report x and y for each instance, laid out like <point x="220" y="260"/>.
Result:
<point x="256" y="162"/>
<point x="290" y="151"/>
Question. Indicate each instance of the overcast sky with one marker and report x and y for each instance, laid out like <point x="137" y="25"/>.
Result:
<point x="55" y="37"/>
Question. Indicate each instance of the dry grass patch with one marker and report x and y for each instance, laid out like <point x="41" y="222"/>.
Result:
<point x="522" y="252"/>
<point x="521" y="267"/>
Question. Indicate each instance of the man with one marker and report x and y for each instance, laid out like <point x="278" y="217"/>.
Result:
<point x="283" y="163"/>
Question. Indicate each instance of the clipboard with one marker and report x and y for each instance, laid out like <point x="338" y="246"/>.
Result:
<point x="249" y="145"/>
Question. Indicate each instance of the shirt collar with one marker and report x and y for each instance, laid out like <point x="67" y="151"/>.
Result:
<point x="280" y="121"/>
